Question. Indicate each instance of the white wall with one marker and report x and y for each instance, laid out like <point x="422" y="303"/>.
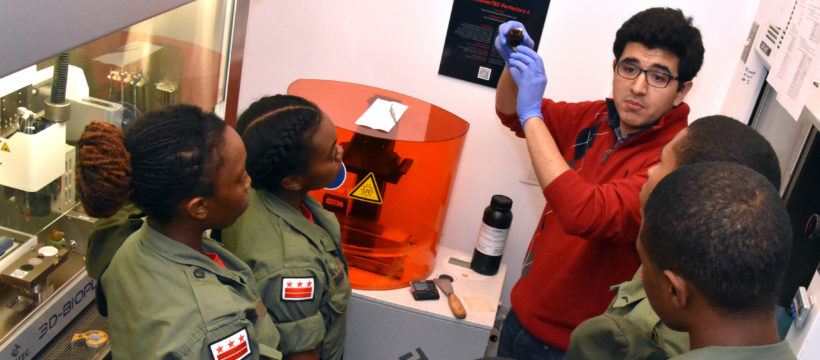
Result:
<point x="397" y="45"/>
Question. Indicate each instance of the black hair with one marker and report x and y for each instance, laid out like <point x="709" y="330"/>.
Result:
<point x="173" y="156"/>
<point x="265" y="105"/>
<point x="724" y="229"/>
<point x="665" y="29"/>
<point x="721" y="138"/>
<point x="276" y="131"/>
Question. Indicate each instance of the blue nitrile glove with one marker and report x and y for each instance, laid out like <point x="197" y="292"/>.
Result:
<point x="527" y="69"/>
<point x="501" y="40"/>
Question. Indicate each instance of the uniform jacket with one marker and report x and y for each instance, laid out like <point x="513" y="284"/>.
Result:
<point x="779" y="351"/>
<point x="169" y="301"/>
<point x="108" y="235"/>
<point x="629" y="329"/>
<point x="283" y="246"/>
<point x="585" y="240"/>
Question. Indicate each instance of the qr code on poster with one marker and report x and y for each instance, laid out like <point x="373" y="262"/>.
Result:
<point x="484" y="73"/>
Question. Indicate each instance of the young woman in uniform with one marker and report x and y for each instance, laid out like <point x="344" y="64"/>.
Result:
<point x="292" y="244"/>
<point x="171" y="292"/>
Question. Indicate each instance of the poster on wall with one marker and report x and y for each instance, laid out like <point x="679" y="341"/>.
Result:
<point x="469" y="51"/>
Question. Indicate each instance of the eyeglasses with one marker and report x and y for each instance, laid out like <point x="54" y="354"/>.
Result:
<point x="654" y="78"/>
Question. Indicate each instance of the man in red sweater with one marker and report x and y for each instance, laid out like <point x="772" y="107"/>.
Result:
<point x="591" y="159"/>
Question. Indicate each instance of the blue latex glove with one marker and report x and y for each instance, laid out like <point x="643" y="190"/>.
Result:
<point x="527" y="70"/>
<point x="501" y="40"/>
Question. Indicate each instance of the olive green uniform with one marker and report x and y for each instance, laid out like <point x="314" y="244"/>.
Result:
<point x="280" y="244"/>
<point x="628" y="329"/>
<point x="167" y="300"/>
<point x="108" y="235"/>
<point x="778" y="351"/>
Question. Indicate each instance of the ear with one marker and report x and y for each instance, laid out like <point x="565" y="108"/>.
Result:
<point x="197" y="208"/>
<point x="292" y="183"/>
<point x="678" y="292"/>
<point x="682" y="93"/>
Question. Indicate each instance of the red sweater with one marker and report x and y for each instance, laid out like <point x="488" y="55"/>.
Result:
<point x="585" y="240"/>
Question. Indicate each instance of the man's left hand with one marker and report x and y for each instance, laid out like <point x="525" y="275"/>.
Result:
<point x="527" y="69"/>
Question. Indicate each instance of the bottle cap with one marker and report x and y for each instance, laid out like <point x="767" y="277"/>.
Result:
<point x="500" y="203"/>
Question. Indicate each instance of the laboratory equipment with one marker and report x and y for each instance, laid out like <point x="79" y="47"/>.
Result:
<point x="113" y="71"/>
<point x="392" y="206"/>
<point x="797" y="144"/>
<point x="492" y="236"/>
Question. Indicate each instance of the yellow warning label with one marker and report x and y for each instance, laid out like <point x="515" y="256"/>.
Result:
<point x="5" y="147"/>
<point x="367" y="190"/>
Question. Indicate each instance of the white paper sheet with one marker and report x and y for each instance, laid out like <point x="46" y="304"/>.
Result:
<point x="382" y="115"/>
<point x="794" y="69"/>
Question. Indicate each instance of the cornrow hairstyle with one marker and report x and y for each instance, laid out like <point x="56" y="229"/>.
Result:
<point x="278" y="140"/>
<point x="707" y="140"/>
<point x="666" y="29"/>
<point x="172" y="156"/>
<point x="723" y="227"/>
<point x="265" y="105"/>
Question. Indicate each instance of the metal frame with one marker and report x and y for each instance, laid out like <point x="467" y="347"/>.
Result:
<point x="237" y="54"/>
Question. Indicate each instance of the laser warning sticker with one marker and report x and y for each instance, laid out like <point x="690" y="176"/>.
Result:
<point x="5" y="147"/>
<point x="367" y="190"/>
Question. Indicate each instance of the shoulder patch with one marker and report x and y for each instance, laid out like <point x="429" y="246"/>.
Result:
<point x="297" y="289"/>
<point x="232" y="347"/>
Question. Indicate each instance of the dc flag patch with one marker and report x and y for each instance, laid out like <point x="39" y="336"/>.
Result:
<point x="233" y="347"/>
<point x="297" y="289"/>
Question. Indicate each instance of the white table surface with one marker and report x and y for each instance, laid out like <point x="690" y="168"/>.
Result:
<point x="479" y="294"/>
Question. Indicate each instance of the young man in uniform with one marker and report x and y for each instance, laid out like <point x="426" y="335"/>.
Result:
<point x="629" y="328"/>
<point x="591" y="159"/>
<point x="714" y="246"/>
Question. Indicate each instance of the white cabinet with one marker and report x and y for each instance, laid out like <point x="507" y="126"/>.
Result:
<point x="390" y="324"/>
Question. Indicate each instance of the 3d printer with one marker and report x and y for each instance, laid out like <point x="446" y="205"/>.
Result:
<point x="392" y="208"/>
<point x="43" y="286"/>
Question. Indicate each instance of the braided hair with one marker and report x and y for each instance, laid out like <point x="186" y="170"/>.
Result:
<point x="276" y="131"/>
<point x="265" y="105"/>
<point x="172" y="155"/>
<point x="104" y="169"/>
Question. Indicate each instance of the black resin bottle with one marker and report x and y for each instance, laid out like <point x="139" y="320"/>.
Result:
<point x="492" y="235"/>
